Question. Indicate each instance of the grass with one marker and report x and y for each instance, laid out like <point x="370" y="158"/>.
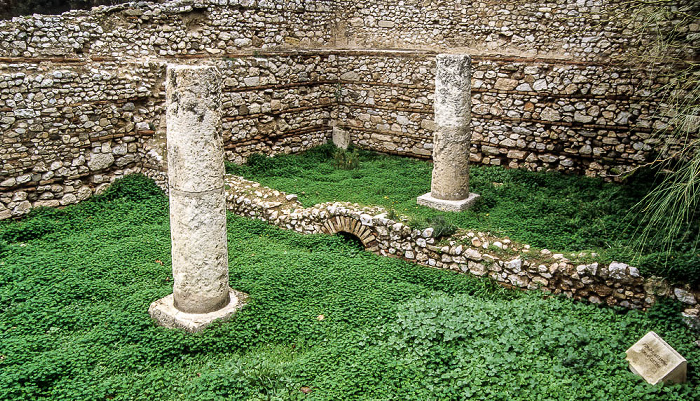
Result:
<point x="546" y="210"/>
<point x="324" y="318"/>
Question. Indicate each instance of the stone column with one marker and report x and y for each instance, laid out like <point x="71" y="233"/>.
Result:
<point x="452" y="137"/>
<point x="201" y="292"/>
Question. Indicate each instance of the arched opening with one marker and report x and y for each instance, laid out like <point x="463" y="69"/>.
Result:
<point x="348" y="226"/>
<point x="351" y="239"/>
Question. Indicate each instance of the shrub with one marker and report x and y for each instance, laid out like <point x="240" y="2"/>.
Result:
<point x="346" y="159"/>
<point x="677" y="266"/>
<point x="441" y="226"/>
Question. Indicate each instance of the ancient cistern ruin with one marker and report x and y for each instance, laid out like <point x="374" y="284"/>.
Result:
<point x="84" y="99"/>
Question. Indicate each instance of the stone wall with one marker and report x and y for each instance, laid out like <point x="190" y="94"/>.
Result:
<point x="277" y="103"/>
<point x="593" y="30"/>
<point x="81" y="94"/>
<point x="510" y="264"/>
<point x="181" y="27"/>
<point x="67" y="131"/>
<point x="537" y="114"/>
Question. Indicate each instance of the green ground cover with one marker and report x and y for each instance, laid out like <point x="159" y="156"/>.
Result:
<point x="324" y="317"/>
<point x="546" y="210"/>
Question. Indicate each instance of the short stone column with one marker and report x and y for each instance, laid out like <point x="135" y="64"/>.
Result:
<point x="452" y="138"/>
<point x="201" y="291"/>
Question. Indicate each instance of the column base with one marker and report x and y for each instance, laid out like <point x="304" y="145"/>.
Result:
<point x="165" y="314"/>
<point x="448" y="205"/>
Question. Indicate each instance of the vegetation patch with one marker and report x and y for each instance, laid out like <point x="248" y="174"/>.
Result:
<point x="546" y="210"/>
<point x="326" y="321"/>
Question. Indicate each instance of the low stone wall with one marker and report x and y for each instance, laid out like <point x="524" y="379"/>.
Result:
<point x="508" y="263"/>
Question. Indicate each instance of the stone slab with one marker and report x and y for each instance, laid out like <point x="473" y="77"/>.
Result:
<point x="165" y="314"/>
<point x="448" y="205"/>
<point x="341" y="138"/>
<point x="656" y="361"/>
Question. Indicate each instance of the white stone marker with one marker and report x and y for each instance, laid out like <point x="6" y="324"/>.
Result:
<point x="341" y="138"/>
<point x="201" y="292"/>
<point x="452" y="138"/>
<point x="655" y="360"/>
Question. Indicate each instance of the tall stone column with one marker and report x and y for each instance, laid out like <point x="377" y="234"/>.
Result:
<point x="201" y="291"/>
<point x="452" y="137"/>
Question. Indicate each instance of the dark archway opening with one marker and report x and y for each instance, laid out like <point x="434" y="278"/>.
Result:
<point x="351" y="239"/>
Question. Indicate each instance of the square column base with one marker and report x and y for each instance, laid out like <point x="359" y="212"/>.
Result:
<point x="165" y="314"/>
<point x="448" y="205"/>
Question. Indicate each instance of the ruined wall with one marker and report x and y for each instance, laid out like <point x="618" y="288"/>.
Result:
<point x="277" y="103"/>
<point x="536" y="114"/>
<point x="67" y="130"/>
<point x="508" y="263"/>
<point x="591" y="30"/>
<point x="81" y="94"/>
<point x="553" y="85"/>
<point x="181" y="27"/>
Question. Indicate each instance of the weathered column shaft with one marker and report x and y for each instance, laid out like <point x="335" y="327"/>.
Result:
<point x="196" y="184"/>
<point x="452" y="138"/>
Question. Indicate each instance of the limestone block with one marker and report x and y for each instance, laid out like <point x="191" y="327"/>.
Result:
<point x="8" y="182"/>
<point x="656" y="361"/>
<point x="549" y="114"/>
<point x="100" y="161"/>
<point x="505" y="84"/>
<point x="341" y="138"/>
<point x="684" y="296"/>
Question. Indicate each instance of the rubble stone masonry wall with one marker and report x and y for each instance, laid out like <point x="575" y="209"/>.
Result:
<point x="576" y="30"/>
<point x="82" y="95"/>
<point x="537" y="114"/>
<point x="508" y="263"/>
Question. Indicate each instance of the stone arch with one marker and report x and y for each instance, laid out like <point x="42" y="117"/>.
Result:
<point x="338" y="224"/>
